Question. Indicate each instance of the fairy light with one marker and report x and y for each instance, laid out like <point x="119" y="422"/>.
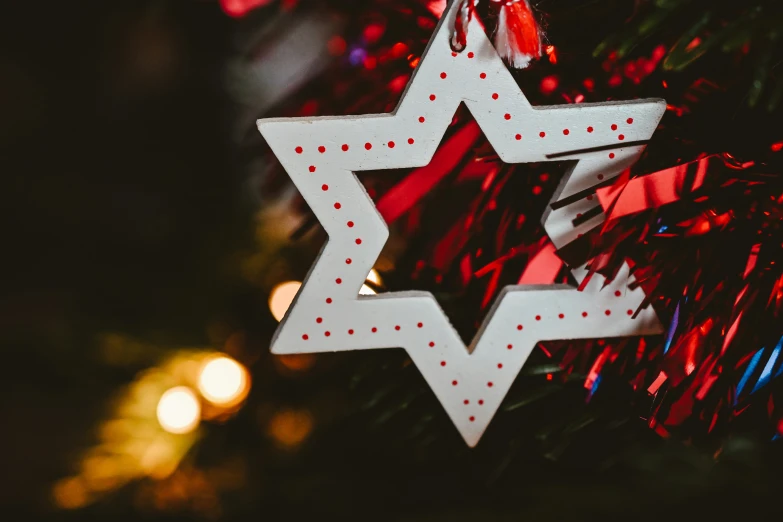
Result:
<point x="179" y="410"/>
<point x="223" y="381"/>
<point x="281" y="298"/>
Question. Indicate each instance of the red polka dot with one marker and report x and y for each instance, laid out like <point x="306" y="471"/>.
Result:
<point x="443" y="75"/>
<point x="542" y="134"/>
<point x="321" y="149"/>
<point x="584" y="314"/>
<point x="472" y="418"/>
<point x="328" y="300"/>
<point x="614" y="126"/>
<point x="338" y="206"/>
<point x="421" y="119"/>
<point x="495" y="96"/>
<point x="391" y="144"/>
<point x="611" y="155"/>
<point x="327" y="333"/>
<point x="299" y="150"/>
<point x="566" y="132"/>
<point x="453" y="53"/>
<point x="600" y="176"/>
<point x="453" y="383"/>
<point x="490" y="384"/>
<point x="618" y="293"/>
<point x="621" y="137"/>
<point x="348" y="261"/>
<point x="510" y="346"/>
<point x="319" y="320"/>
<point x="345" y="147"/>
<point x="338" y="281"/>
<point x="481" y="401"/>
<point x="443" y="363"/>
<point x="350" y="332"/>
<point x="358" y="241"/>
<point x="500" y="366"/>
<point x="471" y="54"/>
<point x="397" y="328"/>
<point x="350" y="224"/>
<point x="312" y="168"/>
<point x="629" y="121"/>
<point x="538" y="318"/>
<point x="561" y="316"/>
<point x="305" y="337"/>
<point x="519" y="327"/>
<point x="368" y="145"/>
<point x="466" y="402"/>
<point x="589" y="129"/>
<point x="432" y="97"/>
<point x="374" y="329"/>
<point x="608" y="312"/>
<point x="432" y="344"/>
<point x="518" y="137"/>
<point x="420" y="325"/>
<point x="507" y="116"/>
<point x="410" y="141"/>
<point x="483" y="76"/>
<point x="324" y="187"/>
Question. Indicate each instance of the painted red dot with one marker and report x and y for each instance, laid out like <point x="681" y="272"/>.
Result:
<point x="608" y="312"/>
<point x="614" y="126"/>
<point x="618" y="293"/>
<point x="538" y="318"/>
<point x="518" y="137"/>
<point x="420" y="325"/>
<point x="481" y="401"/>
<point x="542" y="134"/>
<point x="312" y="168"/>
<point x="327" y="333"/>
<point x="345" y="147"/>
<point x="443" y="363"/>
<point x="319" y="320"/>
<point x="350" y="224"/>
<point x="561" y="316"/>
<point x="358" y="241"/>
<point x="589" y="129"/>
<point x="397" y="328"/>
<point x="338" y="206"/>
<point x="299" y="150"/>
<point x="368" y="145"/>
<point x="630" y="312"/>
<point x="432" y="344"/>
<point x="421" y="119"/>
<point x="350" y="332"/>
<point x="324" y="187"/>
<point x="453" y="383"/>
<point x="611" y="155"/>
<point x="507" y="116"/>
<point x="410" y="141"/>
<point x="471" y="54"/>
<point x="629" y="121"/>
<point x="338" y="281"/>
<point x="328" y="300"/>
<point x="321" y="149"/>
<point x="443" y="75"/>
<point x="490" y="384"/>
<point x="432" y="97"/>
<point x="392" y="144"/>
<point x="621" y="137"/>
<point x="600" y="176"/>
<point x="453" y="53"/>
<point x="584" y="314"/>
<point x="483" y="76"/>
<point x="374" y="329"/>
<point x="519" y="327"/>
<point x="348" y="261"/>
<point x="566" y="132"/>
<point x="495" y="96"/>
<point x="510" y="346"/>
<point x="472" y="418"/>
<point x="500" y="365"/>
<point x="466" y="402"/>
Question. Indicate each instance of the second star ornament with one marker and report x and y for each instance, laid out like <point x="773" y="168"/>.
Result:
<point x="321" y="156"/>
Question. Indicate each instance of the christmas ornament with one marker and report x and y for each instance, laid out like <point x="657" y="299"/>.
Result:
<point x="321" y="155"/>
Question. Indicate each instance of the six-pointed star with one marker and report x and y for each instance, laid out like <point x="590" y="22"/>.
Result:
<point x="321" y="156"/>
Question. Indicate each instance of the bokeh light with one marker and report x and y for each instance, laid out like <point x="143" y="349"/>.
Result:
<point x="289" y="428"/>
<point x="223" y="381"/>
<point x="179" y="410"/>
<point x="281" y="298"/>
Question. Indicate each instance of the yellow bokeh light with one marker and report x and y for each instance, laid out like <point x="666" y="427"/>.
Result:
<point x="179" y="410"/>
<point x="223" y="381"/>
<point x="374" y="277"/>
<point x="70" y="493"/>
<point x="281" y="298"/>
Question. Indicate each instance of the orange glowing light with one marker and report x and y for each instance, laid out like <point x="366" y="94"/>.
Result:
<point x="179" y="410"/>
<point x="289" y="428"/>
<point x="70" y="493"/>
<point x="223" y="381"/>
<point x="281" y="298"/>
